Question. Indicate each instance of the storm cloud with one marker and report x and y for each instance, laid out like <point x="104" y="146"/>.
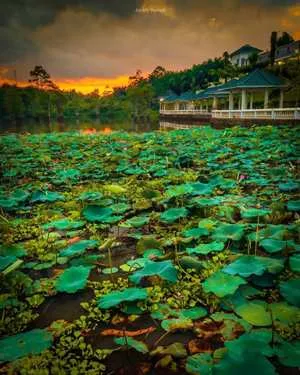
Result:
<point x="101" y="38"/>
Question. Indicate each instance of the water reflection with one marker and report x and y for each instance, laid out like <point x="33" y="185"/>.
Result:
<point x="83" y="126"/>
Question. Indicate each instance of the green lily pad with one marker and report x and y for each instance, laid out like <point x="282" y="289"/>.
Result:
<point x="64" y="224"/>
<point x="179" y="190"/>
<point x="137" y="221"/>
<point x="90" y="196"/>
<point x="290" y="290"/>
<point x="109" y="271"/>
<point x="115" y="298"/>
<point x="200" y="364"/>
<point x="150" y="253"/>
<point x="46" y="196"/>
<point x="206" y="202"/>
<point x="295" y="263"/>
<point x="176" y="350"/>
<point x="272" y="245"/>
<point x="255" y="314"/>
<point x="284" y="312"/>
<point x="12" y="250"/>
<point x="245" y="266"/>
<point x="288" y="186"/>
<point x="293" y="206"/>
<point x="6" y="261"/>
<point x="176" y="324"/>
<point x="78" y="248"/>
<point x="132" y="343"/>
<point x="208" y="248"/>
<point x="288" y="353"/>
<point x="196" y="232"/>
<point x="173" y="214"/>
<point x="164" y="270"/>
<point x="222" y="284"/>
<point x="251" y="213"/>
<point x="226" y="232"/>
<point x="24" y="344"/>
<point x="72" y="279"/>
<point x="95" y="213"/>
<point x="193" y="313"/>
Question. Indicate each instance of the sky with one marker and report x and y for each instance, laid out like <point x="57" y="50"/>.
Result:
<point x="98" y="44"/>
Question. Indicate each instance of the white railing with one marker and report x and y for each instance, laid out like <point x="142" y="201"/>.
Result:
<point x="260" y="114"/>
<point x="184" y="112"/>
<point x="170" y="125"/>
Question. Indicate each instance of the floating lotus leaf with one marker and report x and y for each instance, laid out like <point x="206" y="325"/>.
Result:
<point x="164" y="270"/>
<point x="176" y="324"/>
<point x="290" y="290"/>
<point x="206" y="202"/>
<point x="293" y="206"/>
<point x="64" y="224"/>
<point x="114" y="189"/>
<point x="134" y="264"/>
<point x="200" y="364"/>
<point x="272" y="245"/>
<point x="95" y="213"/>
<point x="246" y="266"/>
<point x="288" y="186"/>
<point x="271" y="231"/>
<point x="273" y="265"/>
<point x="188" y="262"/>
<point x="207" y="224"/>
<point x="90" y="196"/>
<point x="179" y="190"/>
<point x="46" y="196"/>
<point x="146" y="243"/>
<point x="20" y="195"/>
<point x="8" y="204"/>
<point x="86" y="260"/>
<point x="176" y="350"/>
<point x="251" y="213"/>
<point x="173" y="214"/>
<point x="208" y="248"/>
<point x="109" y="271"/>
<point x="6" y="261"/>
<point x="196" y="232"/>
<point x="255" y="313"/>
<point x="132" y="343"/>
<point x="201" y="189"/>
<point x="232" y="232"/>
<point x="12" y="250"/>
<point x="78" y="248"/>
<point x="250" y="364"/>
<point x="295" y="263"/>
<point x="193" y="313"/>
<point x="137" y="221"/>
<point x="163" y="311"/>
<point x="222" y="284"/>
<point x="120" y="208"/>
<point x="152" y="253"/>
<point x="23" y="344"/>
<point x="72" y="279"/>
<point x="115" y="298"/>
<point x="288" y="353"/>
<point x="68" y="174"/>
<point x="221" y="316"/>
<point x="284" y="312"/>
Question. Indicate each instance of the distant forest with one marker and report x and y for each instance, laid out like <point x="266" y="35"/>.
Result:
<point x="42" y="99"/>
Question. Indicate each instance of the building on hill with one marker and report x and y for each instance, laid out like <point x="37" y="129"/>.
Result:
<point x="241" y="56"/>
<point x="282" y="54"/>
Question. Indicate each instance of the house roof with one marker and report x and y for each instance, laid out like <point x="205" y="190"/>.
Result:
<point x="245" y="49"/>
<point x="256" y="79"/>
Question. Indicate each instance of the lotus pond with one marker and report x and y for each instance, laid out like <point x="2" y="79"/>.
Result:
<point x="162" y="252"/>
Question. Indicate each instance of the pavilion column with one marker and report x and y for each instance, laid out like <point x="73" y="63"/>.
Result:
<point x="251" y="100"/>
<point x="201" y="106"/>
<point x="281" y="99"/>
<point x="239" y="104"/>
<point x="206" y="105"/>
<point x="215" y="103"/>
<point x="231" y="103"/>
<point x="244" y="100"/>
<point x="266" y="101"/>
<point x="176" y="106"/>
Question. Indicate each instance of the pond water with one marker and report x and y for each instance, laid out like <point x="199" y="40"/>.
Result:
<point x="35" y="127"/>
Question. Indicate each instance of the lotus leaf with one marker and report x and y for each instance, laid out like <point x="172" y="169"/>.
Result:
<point x="222" y="284"/>
<point x="115" y="189"/>
<point x="146" y="243"/>
<point x="115" y="298"/>
<point x="201" y="189"/>
<point x="290" y="290"/>
<point x="72" y="279"/>
<point x="176" y="324"/>
<point x="289" y="353"/>
<point x="132" y="343"/>
<point x="176" y="350"/>
<point x="295" y="263"/>
<point x="109" y="271"/>
<point x="251" y="213"/>
<point x="86" y="260"/>
<point x="46" y="196"/>
<point x="90" y="196"/>
<point x="152" y="253"/>
<point x="254" y="313"/>
<point x="179" y="190"/>
<point x="23" y="344"/>
<point x="272" y="245"/>
<point x="96" y="213"/>
<point x="78" y="248"/>
<point x="196" y="232"/>
<point x="199" y="364"/>
<point x="208" y="248"/>
<point x="193" y="313"/>
<point x="246" y="266"/>
<point x="284" y="312"/>
<point x="173" y="214"/>
<point x="64" y="224"/>
<point x="206" y="202"/>
<point x="293" y="206"/>
<point x="137" y="221"/>
<point x="232" y="232"/>
<point x="120" y="208"/>
<point x="164" y="270"/>
<point x="288" y="186"/>
<point x="12" y="250"/>
<point x="6" y="261"/>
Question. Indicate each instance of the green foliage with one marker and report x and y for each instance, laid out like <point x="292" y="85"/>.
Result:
<point x="129" y="342"/>
<point x="72" y="279"/>
<point x="115" y="298"/>
<point x="222" y="284"/>
<point x="165" y="270"/>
